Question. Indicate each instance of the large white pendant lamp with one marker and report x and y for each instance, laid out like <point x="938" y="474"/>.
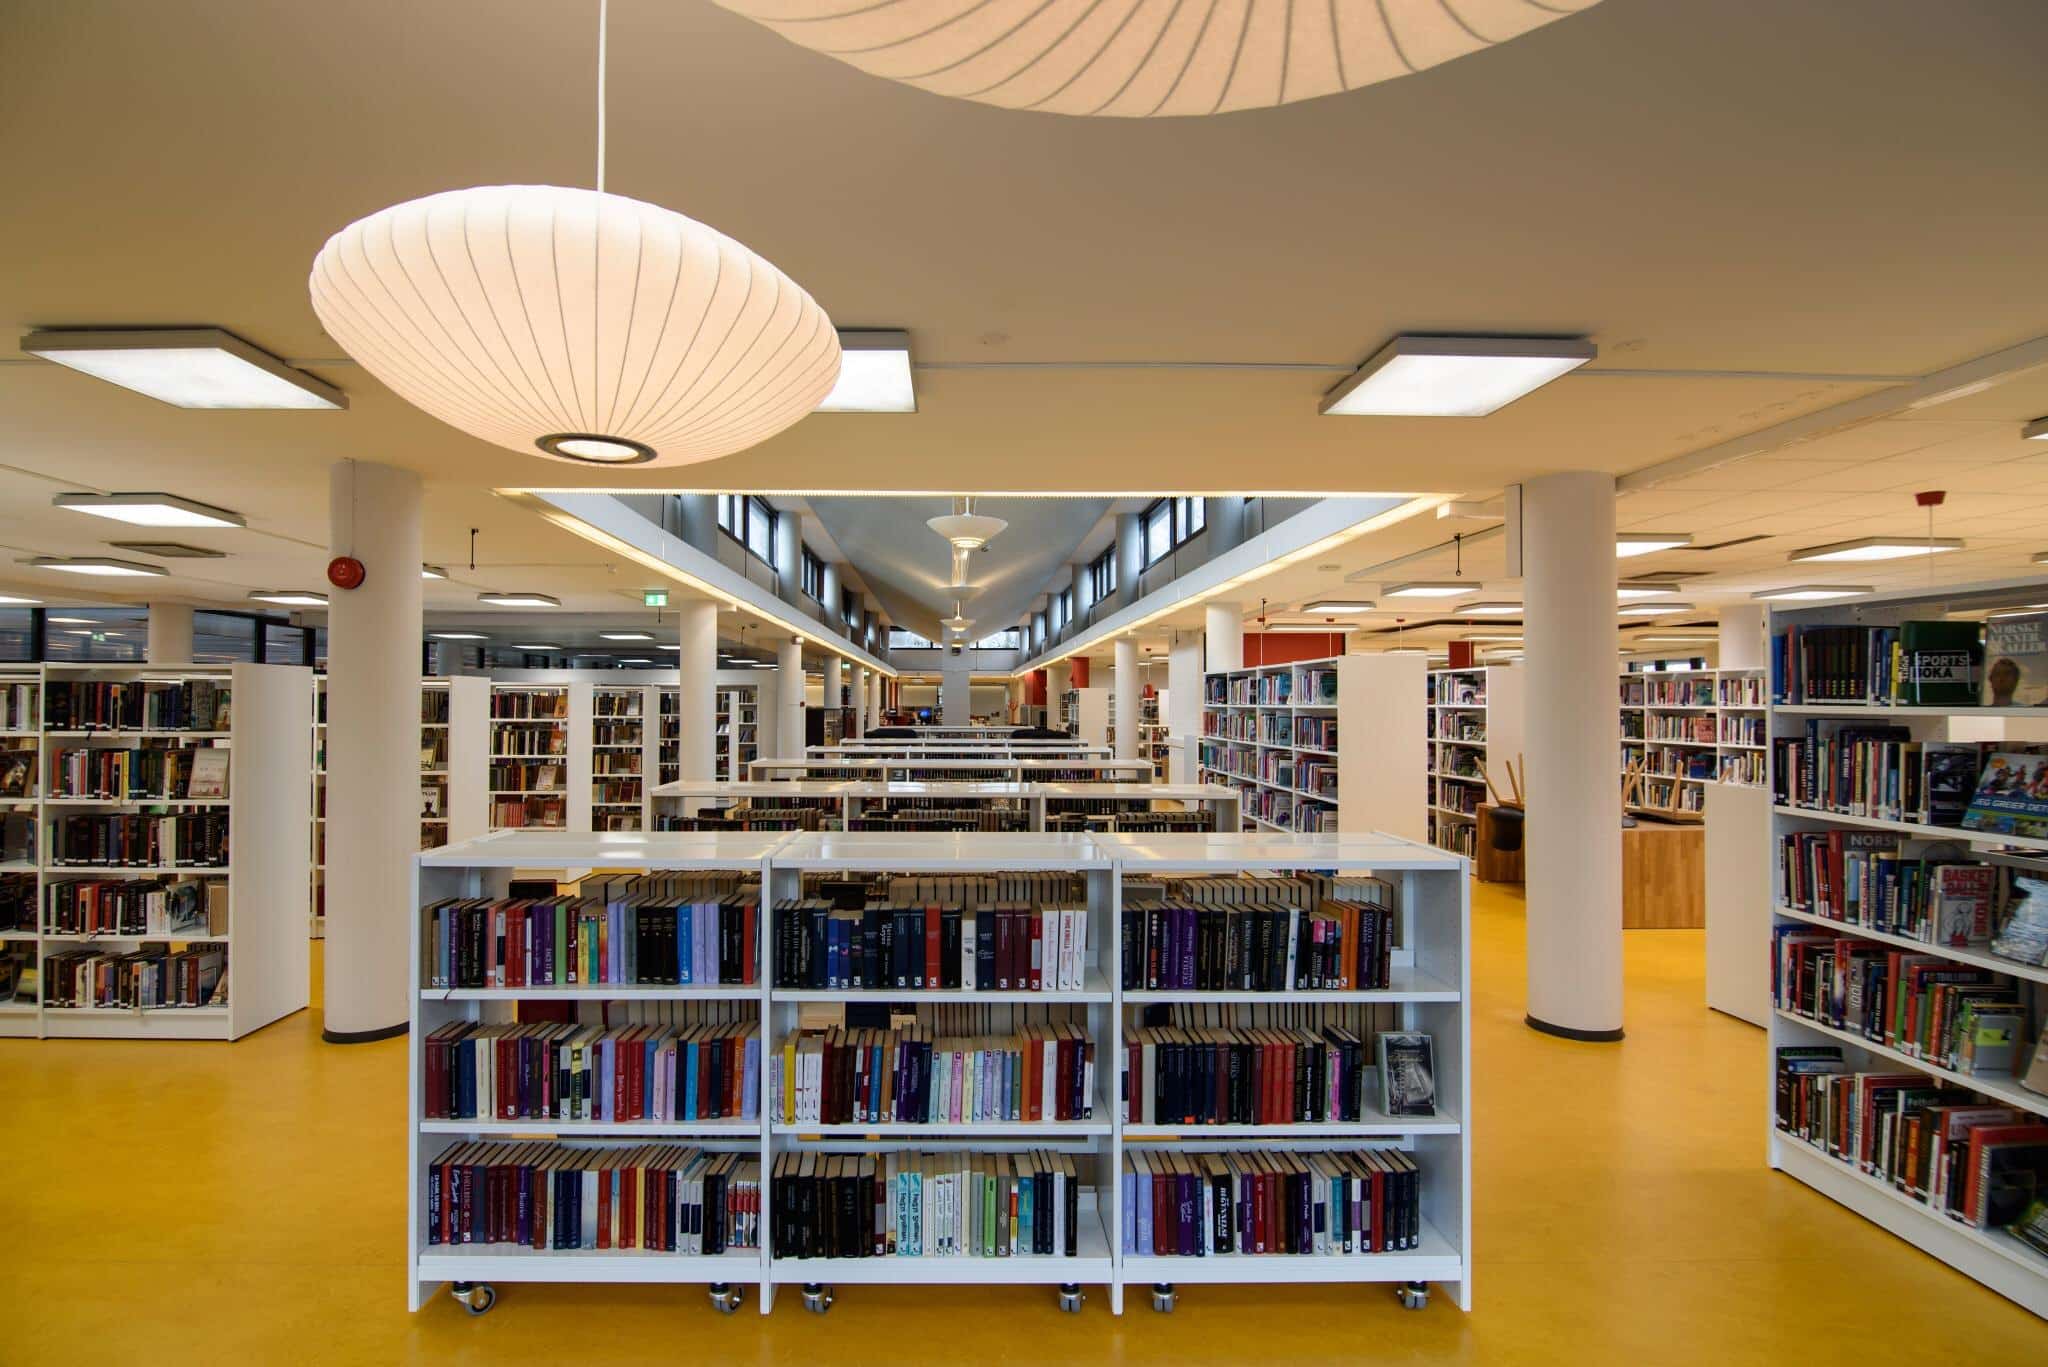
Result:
<point x="1144" y="58"/>
<point x="576" y="324"/>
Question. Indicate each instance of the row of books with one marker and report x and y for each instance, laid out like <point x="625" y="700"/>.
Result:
<point x="1856" y="769"/>
<point x="1959" y="1017"/>
<point x="18" y="707"/>
<point x="627" y="931"/>
<point x="92" y="705"/>
<point x="605" y="702"/>
<point x="1268" y="1201"/>
<point x="911" y="1075"/>
<point x="1233" y="1075"/>
<point x="1980" y="1164"/>
<point x="18" y="902"/>
<point x="1316" y="733"/>
<point x="1915" y="663"/>
<point x="145" y="775"/>
<point x="657" y="1198"/>
<point x="530" y="704"/>
<point x="433" y="706"/>
<point x="544" y="813"/>
<point x="1339" y="946"/>
<point x="930" y="947"/>
<point x="191" y="840"/>
<point x="906" y="1204"/>
<point x="544" y="1070"/>
<point x="969" y="891"/>
<point x="1875" y="881"/>
<point x="146" y="978"/>
<point x="138" y="906"/>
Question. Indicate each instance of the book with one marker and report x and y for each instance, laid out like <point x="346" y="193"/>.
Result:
<point x="2016" y="661"/>
<point x="2011" y="796"/>
<point x="1948" y="780"/>
<point x="17" y="773"/>
<point x="1408" y="1073"/>
<point x="209" y="773"/>
<point x="1962" y="903"/>
<point x="1941" y="664"/>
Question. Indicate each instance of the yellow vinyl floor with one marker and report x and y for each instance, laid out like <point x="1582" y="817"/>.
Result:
<point x="244" y="1203"/>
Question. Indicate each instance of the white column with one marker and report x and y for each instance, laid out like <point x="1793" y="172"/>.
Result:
<point x="1573" y="848"/>
<point x="1225" y="635"/>
<point x="860" y="701"/>
<point x="1055" y="690"/>
<point x="789" y="698"/>
<point x="1183" y="704"/>
<point x="830" y="695"/>
<point x="170" y="633"/>
<point x="1126" y="695"/>
<point x="1744" y="644"/>
<point x="373" y="736"/>
<point x="697" y="693"/>
<point x="956" y="689"/>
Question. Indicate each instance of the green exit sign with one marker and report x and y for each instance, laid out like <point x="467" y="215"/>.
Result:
<point x="654" y="598"/>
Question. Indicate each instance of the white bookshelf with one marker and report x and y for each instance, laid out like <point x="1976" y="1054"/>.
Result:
<point x="1688" y="728"/>
<point x="1431" y="992"/>
<point x="534" y="765"/>
<point x="1990" y="1256"/>
<point x="1086" y="714"/>
<point x="268" y="808"/>
<point x="1332" y="744"/>
<point x="1474" y="724"/>
<point x="738" y="718"/>
<point x="624" y="750"/>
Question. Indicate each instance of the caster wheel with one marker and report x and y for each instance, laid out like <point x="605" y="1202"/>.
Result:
<point x="476" y="1297"/>
<point x="1070" y="1298"/>
<point x="1162" y="1297"/>
<point x="725" y="1297"/>
<point x="1413" y="1296"/>
<point x="817" y="1298"/>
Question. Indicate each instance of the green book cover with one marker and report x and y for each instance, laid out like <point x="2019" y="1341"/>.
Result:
<point x="1941" y="665"/>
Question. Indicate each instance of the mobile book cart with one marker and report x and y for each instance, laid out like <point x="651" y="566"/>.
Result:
<point x="1429" y="991"/>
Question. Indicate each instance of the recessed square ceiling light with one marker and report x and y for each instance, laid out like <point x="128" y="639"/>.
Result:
<point x="636" y="662"/>
<point x="1430" y="588"/>
<point x="1628" y="591"/>
<point x="151" y="510"/>
<point x="1677" y="640"/>
<point x="1490" y="610"/>
<point x="1652" y="609"/>
<point x="1879" y="548"/>
<point x="69" y="621"/>
<point x="1453" y="377"/>
<point x="1514" y="639"/>
<point x="187" y="367"/>
<point x="626" y="635"/>
<point x="519" y="600"/>
<point x="174" y="550"/>
<point x="2037" y="430"/>
<point x="10" y="600"/>
<point x="535" y="645"/>
<point x="1629" y="544"/>
<point x="296" y="598"/>
<point x="874" y="375"/>
<point x="1302" y="628"/>
<point x="1811" y="593"/>
<point x="458" y="636"/>
<point x="1337" y="605"/>
<point x="1405" y="650"/>
<point x="95" y="565"/>
<point x="432" y="572"/>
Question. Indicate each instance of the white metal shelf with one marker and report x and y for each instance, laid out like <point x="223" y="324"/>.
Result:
<point x="1874" y="823"/>
<point x="1973" y="957"/>
<point x="2005" y="1090"/>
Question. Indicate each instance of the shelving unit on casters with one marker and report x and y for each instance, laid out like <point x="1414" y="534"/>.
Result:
<point x="941" y="853"/>
<point x="1431" y="983"/>
<point x="484" y="867"/>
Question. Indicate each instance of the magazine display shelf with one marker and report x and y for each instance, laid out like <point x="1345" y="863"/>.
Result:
<point x="1431" y="991"/>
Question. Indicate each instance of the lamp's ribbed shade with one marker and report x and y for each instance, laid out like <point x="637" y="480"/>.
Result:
<point x="517" y="312"/>
<point x="1140" y="58"/>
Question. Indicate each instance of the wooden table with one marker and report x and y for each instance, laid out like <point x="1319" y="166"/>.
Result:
<point x="1663" y="876"/>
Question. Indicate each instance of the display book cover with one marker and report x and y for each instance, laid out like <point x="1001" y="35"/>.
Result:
<point x="2011" y="796"/>
<point x="2016" y="661"/>
<point x="1408" y="1072"/>
<point x="1940" y="663"/>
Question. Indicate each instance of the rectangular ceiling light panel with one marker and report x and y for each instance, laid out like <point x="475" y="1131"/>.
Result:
<point x="874" y="375"/>
<point x="151" y="510"/>
<point x="1879" y="548"/>
<point x="185" y="367"/>
<point x="1454" y="377"/>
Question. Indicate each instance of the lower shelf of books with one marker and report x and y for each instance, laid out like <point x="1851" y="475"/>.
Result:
<point x="1992" y="1257"/>
<point x="1433" y="1259"/>
<point x="1090" y="1264"/>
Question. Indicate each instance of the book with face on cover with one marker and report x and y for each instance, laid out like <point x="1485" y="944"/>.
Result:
<point x="2016" y="661"/>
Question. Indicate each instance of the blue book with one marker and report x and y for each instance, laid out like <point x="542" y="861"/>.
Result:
<point x="686" y="962"/>
<point x="689" y="1049"/>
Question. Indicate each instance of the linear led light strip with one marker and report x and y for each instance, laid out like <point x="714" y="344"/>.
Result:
<point x="578" y="527"/>
<point x="1392" y="517"/>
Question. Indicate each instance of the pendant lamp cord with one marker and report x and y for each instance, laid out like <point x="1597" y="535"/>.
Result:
<point x="603" y="13"/>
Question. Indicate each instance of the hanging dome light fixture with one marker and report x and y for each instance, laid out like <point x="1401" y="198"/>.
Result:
<point x="576" y="324"/>
<point x="967" y="531"/>
<point x="1147" y="58"/>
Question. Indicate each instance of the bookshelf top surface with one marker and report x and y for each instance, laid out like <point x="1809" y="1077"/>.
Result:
<point x="866" y="787"/>
<point x="1182" y="792"/>
<point x="781" y="787"/>
<point x="940" y="851"/>
<point x="605" y="849"/>
<point x="1273" y="850"/>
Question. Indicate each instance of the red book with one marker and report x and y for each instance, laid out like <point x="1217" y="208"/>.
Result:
<point x="749" y="937"/>
<point x="629" y="1206"/>
<point x="931" y="947"/>
<point x="604" y="1208"/>
<point x="1259" y="1185"/>
<point x="1034" y="1078"/>
<point x="1165" y="1219"/>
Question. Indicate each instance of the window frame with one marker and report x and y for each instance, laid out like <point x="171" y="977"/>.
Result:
<point x="1185" y="518"/>
<point x="1102" y="574"/>
<point x="811" y="574"/>
<point x="739" y="515"/>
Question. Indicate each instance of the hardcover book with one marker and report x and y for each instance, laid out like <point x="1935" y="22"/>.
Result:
<point x="2016" y="661"/>
<point x="1408" y="1070"/>
<point x="2011" y="796"/>
<point x="1941" y="663"/>
<point x="209" y="773"/>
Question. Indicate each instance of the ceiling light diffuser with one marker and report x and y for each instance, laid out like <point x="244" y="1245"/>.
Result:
<point x="535" y="645"/>
<point x="2037" y="430"/>
<point x="1337" y="605"/>
<point x="1628" y="591"/>
<point x="519" y="600"/>
<point x="1453" y="377"/>
<point x="2041" y="557"/>
<point x="432" y="572"/>
<point x="874" y="375"/>
<point x="1879" y="548"/>
<point x="11" y="601"/>
<point x="1146" y="61"/>
<point x="150" y="510"/>
<point x="298" y="598"/>
<point x="626" y="635"/>
<point x="458" y="636"/>
<point x="95" y="565"/>
<point x="1652" y="609"/>
<point x="1490" y="610"/>
<point x="1429" y="588"/>
<point x="1811" y="593"/>
<point x="67" y="621"/>
<point x="174" y="550"/>
<point x="185" y="367"/>
<point x="1676" y="640"/>
<point x="636" y="661"/>
<point x="1512" y="639"/>
<point x="1630" y="544"/>
<point x="1304" y="628"/>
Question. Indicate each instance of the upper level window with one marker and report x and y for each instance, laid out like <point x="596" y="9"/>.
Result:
<point x="902" y="639"/>
<point x="1102" y="575"/>
<point x="1013" y="639"/>
<point x="749" y="520"/>
<point x="1171" y="521"/>
<point x="813" y="575"/>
